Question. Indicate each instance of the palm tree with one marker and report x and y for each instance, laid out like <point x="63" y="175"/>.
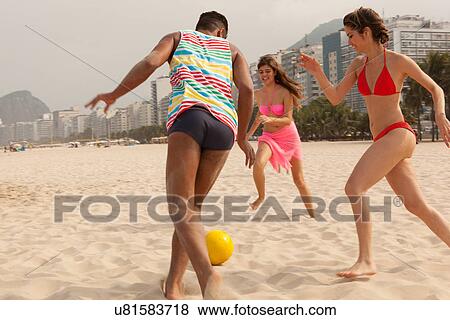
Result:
<point x="414" y="98"/>
<point x="312" y="120"/>
<point x="437" y="66"/>
<point x="360" y="125"/>
<point x="320" y="120"/>
<point x="446" y="82"/>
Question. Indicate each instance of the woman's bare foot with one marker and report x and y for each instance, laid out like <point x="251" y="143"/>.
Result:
<point x="213" y="287"/>
<point x="360" y="268"/>
<point x="172" y="292"/>
<point x="255" y="204"/>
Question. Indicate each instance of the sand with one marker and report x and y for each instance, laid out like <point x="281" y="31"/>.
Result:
<point x="78" y="259"/>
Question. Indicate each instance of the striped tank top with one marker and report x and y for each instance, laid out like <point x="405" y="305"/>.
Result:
<point x="201" y="73"/>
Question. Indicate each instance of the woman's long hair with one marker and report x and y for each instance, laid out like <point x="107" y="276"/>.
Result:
<point x="282" y="78"/>
<point x="366" y="17"/>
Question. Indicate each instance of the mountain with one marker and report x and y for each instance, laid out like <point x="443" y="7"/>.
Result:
<point x="315" y="36"/>
<point x="21" y="106"/>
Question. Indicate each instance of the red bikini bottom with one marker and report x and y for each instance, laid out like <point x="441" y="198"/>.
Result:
<point x="401" y="124"/>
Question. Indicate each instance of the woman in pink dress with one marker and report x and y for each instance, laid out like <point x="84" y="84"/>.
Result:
<point x="280" y="142"/>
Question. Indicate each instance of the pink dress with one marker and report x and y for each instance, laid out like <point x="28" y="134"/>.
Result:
<point x="284" y="143"/>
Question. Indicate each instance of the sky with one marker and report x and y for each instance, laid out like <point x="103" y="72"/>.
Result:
<point x="113" y="35"/>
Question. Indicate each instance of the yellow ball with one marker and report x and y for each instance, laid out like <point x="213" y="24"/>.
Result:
<point x="220" y="246"/>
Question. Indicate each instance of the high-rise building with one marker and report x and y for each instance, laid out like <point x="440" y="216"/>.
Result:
<point x="146" y="116"/>
<point x="44" y="130"/>
<point x="161" y="92"/>
<point x="62" y="122"/>
<point x="415" y="36"/>
<point x="332" y="55"/>
<point x="120" y="122"/>
<point x="6" y="134"/>
<point x="24" y="131"/>
<point x="311" y="88"/>
<point x="353" y="98"/>
<point x="80" y="124"/>
<point x="98" y="125"/>
<point x="255" y="75"/>
<point x="289" y="62"/>
<point x="133" y="115"/>
<point x="337" y="56"/>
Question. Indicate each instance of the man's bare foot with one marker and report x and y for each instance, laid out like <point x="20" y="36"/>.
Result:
<point x="255" y="204"/>
<point x="360" y="268"/>
<point x="173" y="292"/>
<point x="311" y="212"/>
<point x="213" y="287"/>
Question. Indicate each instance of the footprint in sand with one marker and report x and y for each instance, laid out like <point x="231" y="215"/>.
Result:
<point x="329" y="235"/>
<point x="244" y="248"/>
<point x="291" y="280"/>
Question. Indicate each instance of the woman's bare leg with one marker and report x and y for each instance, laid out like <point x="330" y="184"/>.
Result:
<point x="299" y="180"/>
<point x="404" y="183"/>
<point x="381" y="157"/>
<point x="263" y="155"/>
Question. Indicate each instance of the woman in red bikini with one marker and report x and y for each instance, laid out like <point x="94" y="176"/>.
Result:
<point x="380" y="75"/>
<point x="280" y="142"/>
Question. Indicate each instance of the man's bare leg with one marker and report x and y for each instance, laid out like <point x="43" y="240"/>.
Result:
<point x="208" y="168"/>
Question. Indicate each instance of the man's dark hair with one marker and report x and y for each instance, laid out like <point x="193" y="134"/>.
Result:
<point x="211" y="21"/>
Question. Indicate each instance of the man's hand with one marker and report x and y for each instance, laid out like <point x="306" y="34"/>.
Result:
<point x="108" y="98"/>
<point x="249" y="152"/>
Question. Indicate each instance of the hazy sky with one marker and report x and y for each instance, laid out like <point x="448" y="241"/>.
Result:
<point x="113" y="35"/>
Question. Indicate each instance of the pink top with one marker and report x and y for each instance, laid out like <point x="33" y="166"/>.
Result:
<point x="276" y="109"/>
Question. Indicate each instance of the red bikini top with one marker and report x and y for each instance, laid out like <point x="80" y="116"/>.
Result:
<point x="384" y="86"/>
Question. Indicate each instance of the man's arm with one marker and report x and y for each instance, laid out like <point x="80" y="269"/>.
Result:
<point x="256" y="122"/>
<point x="140" y="72"/>
<point x="144" y="68"/>
<point x="243" y="82"/>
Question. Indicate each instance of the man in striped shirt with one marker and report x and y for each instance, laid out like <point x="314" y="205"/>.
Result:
<point x="203" y="124"/>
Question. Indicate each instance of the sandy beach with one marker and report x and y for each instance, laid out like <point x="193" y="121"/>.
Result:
<point x="78" y="259"/>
